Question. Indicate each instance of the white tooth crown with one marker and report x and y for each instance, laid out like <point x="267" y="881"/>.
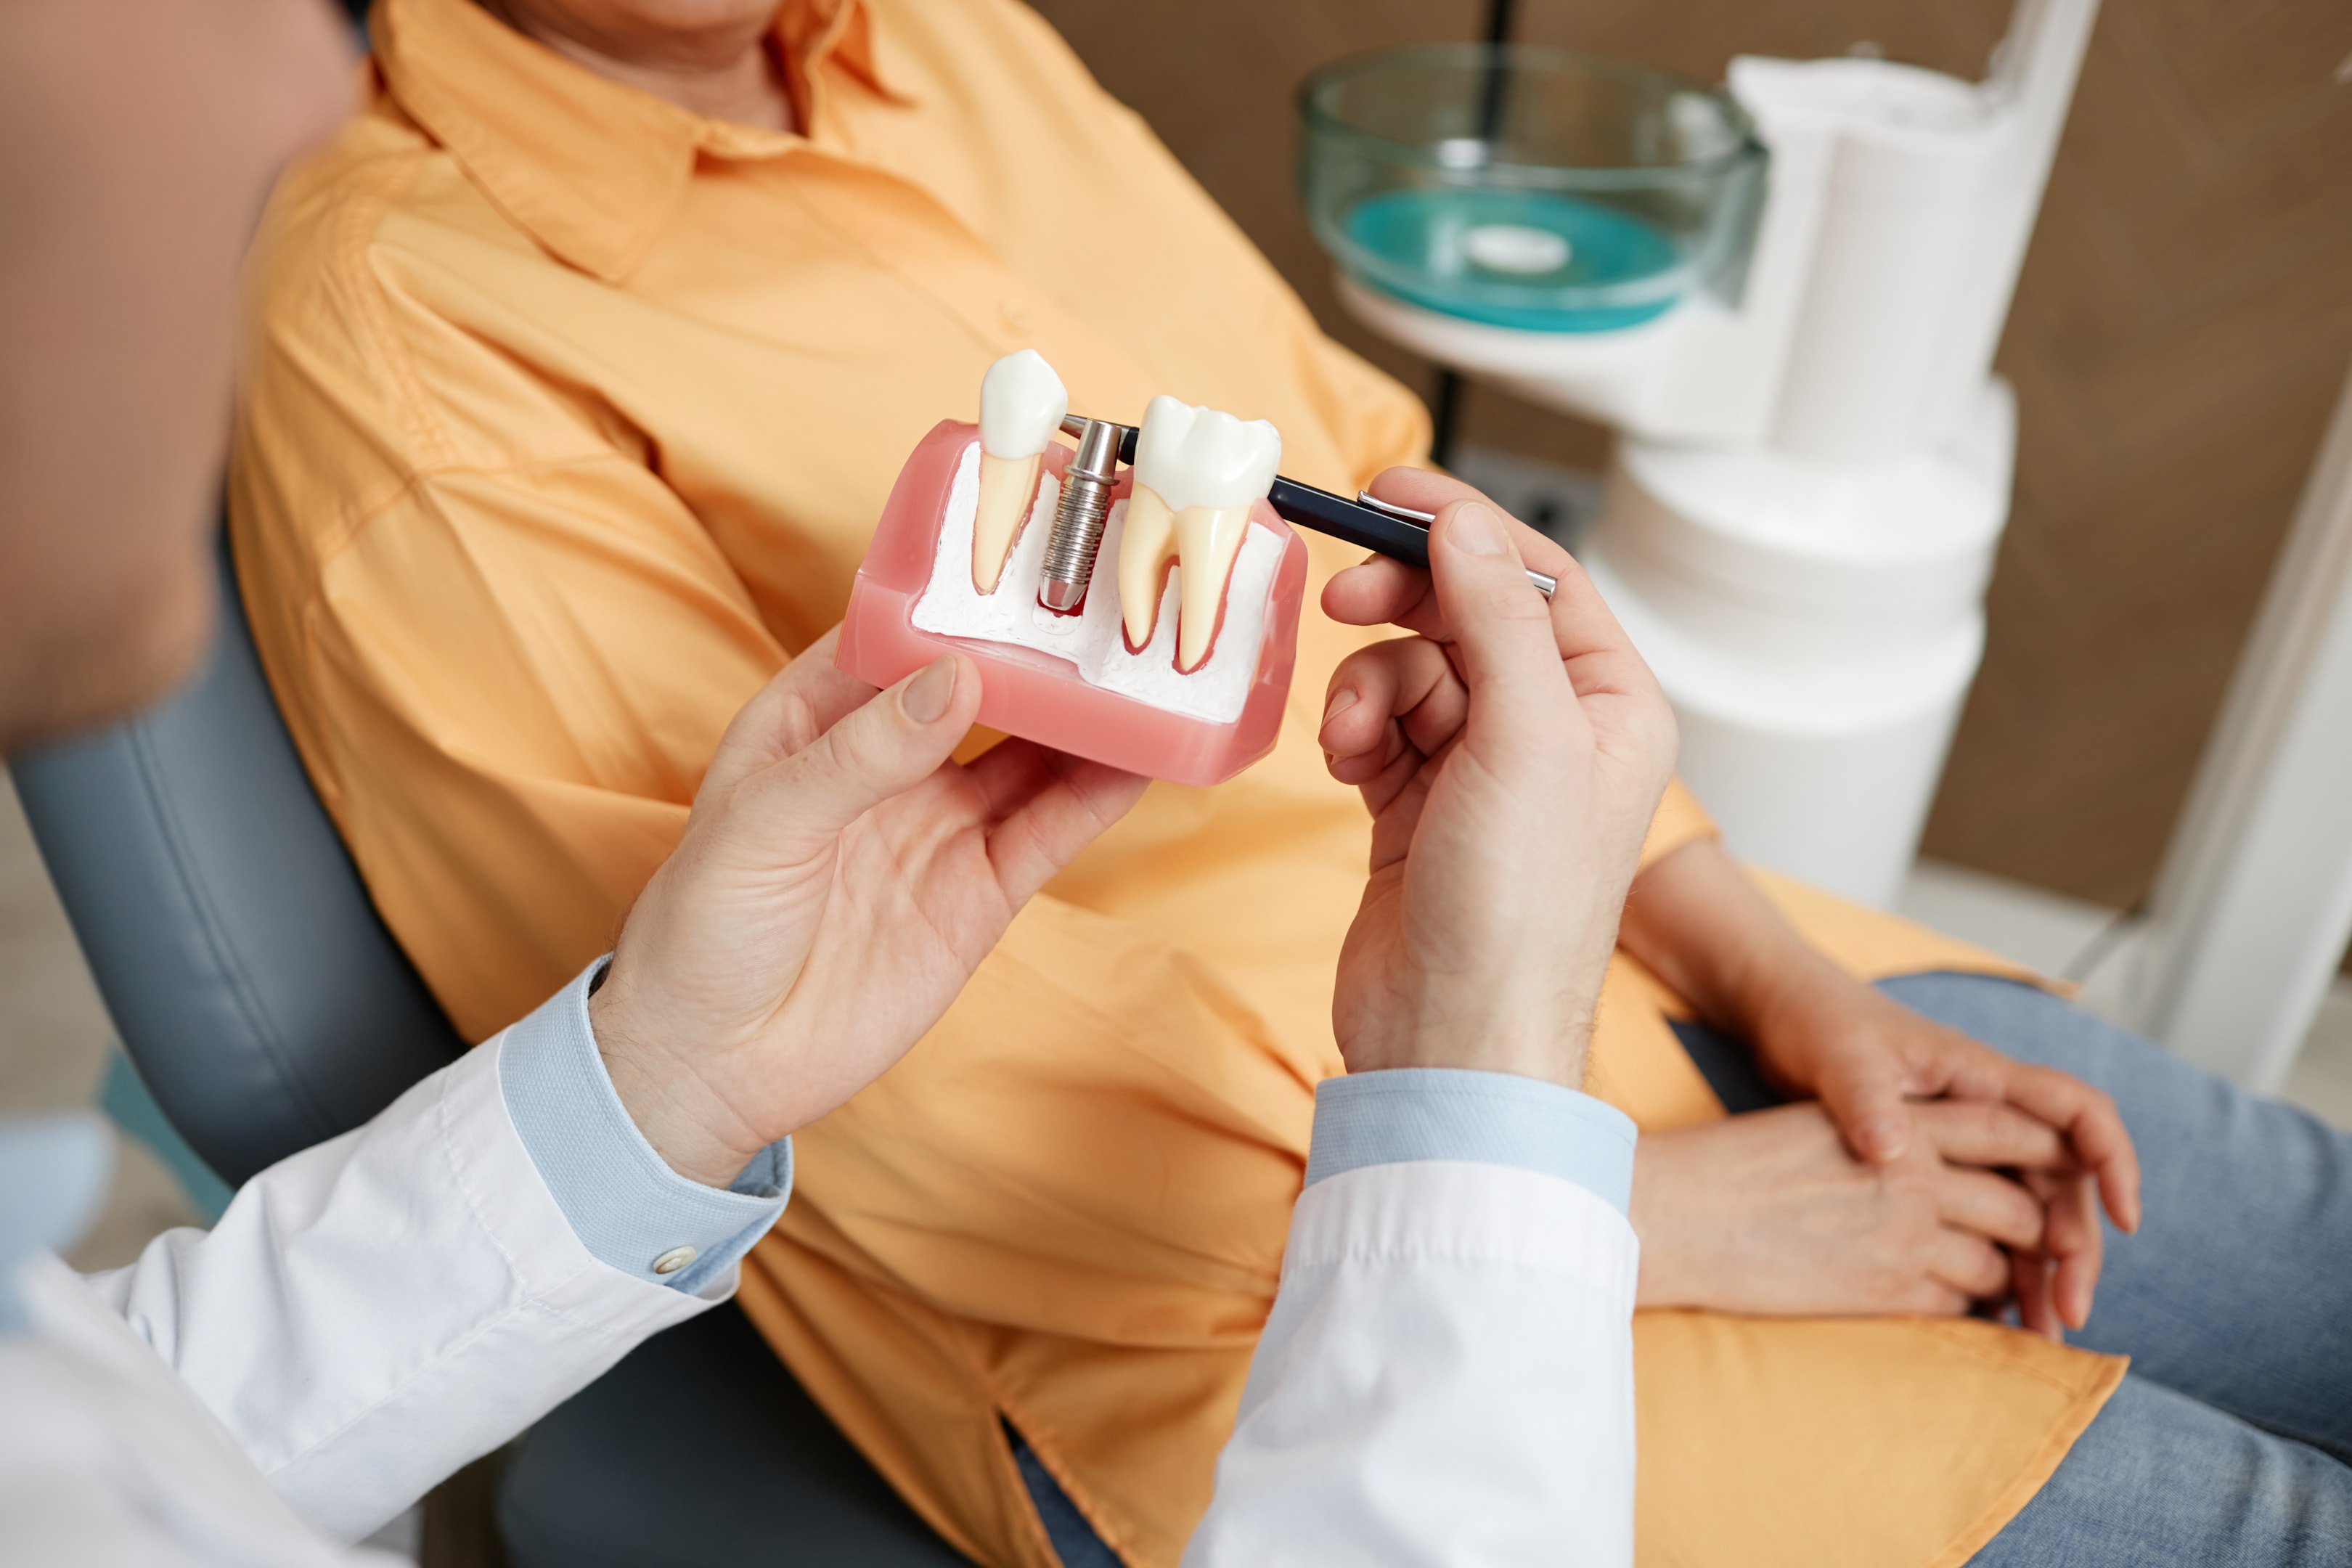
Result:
<point x="1197" y="473"/>
<point x="1201" y="457"/>
<point x="1022" y="404"/>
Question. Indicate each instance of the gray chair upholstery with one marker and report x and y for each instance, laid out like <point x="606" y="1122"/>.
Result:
<point x="267" y="1008"/>
<point x="252" y="985"/>
<point x="698" y="1450"/>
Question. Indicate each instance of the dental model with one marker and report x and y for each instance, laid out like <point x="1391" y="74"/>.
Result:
<point x="1070" y="620"/>
<point x="1022" y="404"/>
<point x="1197" y="474"/>
<point x="1009" y="548"/>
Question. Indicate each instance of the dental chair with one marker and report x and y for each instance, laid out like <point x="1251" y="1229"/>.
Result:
<point x="266" y="1008"/>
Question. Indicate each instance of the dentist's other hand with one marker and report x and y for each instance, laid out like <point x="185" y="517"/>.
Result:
<point x="1512" y="753"/>
<point x="838" y="882"/>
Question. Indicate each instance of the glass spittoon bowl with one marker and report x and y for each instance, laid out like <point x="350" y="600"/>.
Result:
<point x="1526" y="187"/>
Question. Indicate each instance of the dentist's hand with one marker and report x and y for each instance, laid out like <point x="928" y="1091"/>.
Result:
<point x="1512" y="753"/>
<point x="838" y="882"/>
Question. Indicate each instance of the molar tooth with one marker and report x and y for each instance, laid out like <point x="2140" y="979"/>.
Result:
<point x="1021" y="403"/>
<point x="1197" y="472"/>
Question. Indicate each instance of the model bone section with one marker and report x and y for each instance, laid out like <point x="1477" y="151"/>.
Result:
<point x="1021" y="403"/>
<point x="1094" y="641"/>
<point x="1197" y="473"/>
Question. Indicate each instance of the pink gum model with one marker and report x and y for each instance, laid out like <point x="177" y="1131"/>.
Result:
<point x="1035" y="695"/>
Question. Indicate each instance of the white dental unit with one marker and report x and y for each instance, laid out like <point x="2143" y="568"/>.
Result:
<point x="1785" y="297"/>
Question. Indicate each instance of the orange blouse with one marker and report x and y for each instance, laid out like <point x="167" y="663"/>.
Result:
<point x="567" y="415"/>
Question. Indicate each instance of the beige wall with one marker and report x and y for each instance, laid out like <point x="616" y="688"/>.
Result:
<point x="2181" y="331"/>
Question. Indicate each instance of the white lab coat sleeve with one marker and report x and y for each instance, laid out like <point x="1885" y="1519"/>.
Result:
<point x="1446" y="1377"/>
<point x="374" y="1313"/>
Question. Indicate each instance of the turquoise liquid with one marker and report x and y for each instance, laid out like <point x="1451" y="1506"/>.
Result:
<point x="1417" y="240"/>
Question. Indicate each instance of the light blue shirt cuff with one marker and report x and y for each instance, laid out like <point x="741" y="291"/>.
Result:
<point x="624" y="1203"/>
<point x="1493" y="1118"/>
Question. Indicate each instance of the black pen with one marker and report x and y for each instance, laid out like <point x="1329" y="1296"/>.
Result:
<point x="1398" y="532"/>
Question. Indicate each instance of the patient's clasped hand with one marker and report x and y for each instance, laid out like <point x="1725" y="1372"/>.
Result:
<point x="1177" y="661"/>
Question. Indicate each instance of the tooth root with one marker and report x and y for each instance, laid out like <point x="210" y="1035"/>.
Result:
<point x="1145" y="548"/>
<point x="1208" y="543"/>
<point x="1008" y="487"/>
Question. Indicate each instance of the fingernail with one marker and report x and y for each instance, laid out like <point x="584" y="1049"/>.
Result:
<point x="1341" y="701"/>
<point x="1882" y="1139"/>
<point x="928" y="695"/>
<point x="1477" y="532"/>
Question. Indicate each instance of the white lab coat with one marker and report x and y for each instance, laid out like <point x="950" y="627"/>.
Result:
<point x="1446" y="1376"/>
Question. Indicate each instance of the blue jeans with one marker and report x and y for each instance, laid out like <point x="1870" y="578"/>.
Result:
<point x="2229" y="1441"/>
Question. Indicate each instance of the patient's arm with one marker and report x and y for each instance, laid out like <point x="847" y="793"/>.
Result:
<point x="1697" y="920"/>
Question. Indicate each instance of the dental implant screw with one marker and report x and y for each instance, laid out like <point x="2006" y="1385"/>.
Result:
<point x="1078" y="520"/>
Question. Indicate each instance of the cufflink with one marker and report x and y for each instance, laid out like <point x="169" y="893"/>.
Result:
<point x="675" y="1258"/>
